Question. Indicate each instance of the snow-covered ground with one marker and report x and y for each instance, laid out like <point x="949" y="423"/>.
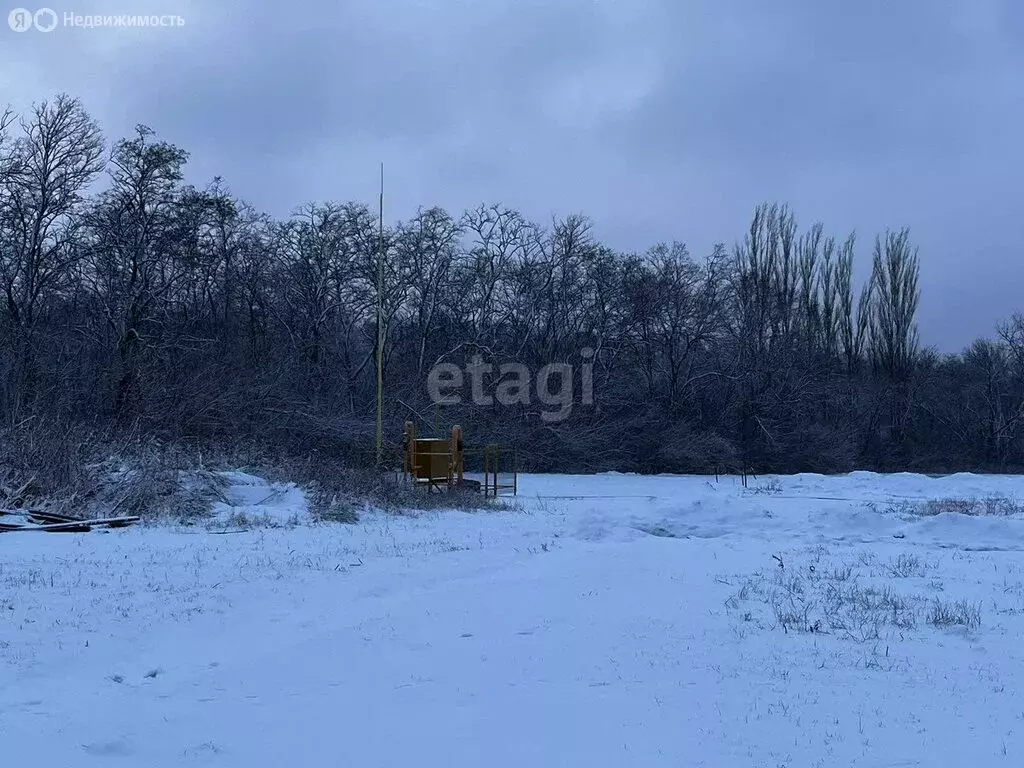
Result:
<point x="608" y="620"/>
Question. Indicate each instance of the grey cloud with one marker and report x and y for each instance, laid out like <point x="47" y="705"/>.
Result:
<point x="661" y="120"/>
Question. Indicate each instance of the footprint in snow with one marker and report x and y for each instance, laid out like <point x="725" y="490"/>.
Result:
<point x="107" y="748"/>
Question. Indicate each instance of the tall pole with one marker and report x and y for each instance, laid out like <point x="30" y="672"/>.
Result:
<point x="380" y="323"/>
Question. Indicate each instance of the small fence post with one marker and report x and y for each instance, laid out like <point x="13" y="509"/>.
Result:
<point x="497" y="458"/>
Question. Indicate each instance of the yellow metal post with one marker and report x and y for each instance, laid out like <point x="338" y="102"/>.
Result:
<point x="409" y="451"/>
<point x="457" y="455"/>
<point x="380" y="322"/>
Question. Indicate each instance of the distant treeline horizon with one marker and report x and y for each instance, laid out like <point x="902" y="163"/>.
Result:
<point x="152" y="308"/>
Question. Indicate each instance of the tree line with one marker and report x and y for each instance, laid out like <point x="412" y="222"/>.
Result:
<point x="131" y="301"/>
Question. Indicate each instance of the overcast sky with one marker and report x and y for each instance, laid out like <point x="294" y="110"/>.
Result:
<point x="662" y="120"/>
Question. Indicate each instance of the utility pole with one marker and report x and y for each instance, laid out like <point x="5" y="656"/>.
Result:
<point x="380" y="322"/>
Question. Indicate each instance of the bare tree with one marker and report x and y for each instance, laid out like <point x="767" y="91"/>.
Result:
<point x="427" y="247"/>
<point x="134" y="264"/>
<point x="42" y="182"/>
<point x="894" y="339"/>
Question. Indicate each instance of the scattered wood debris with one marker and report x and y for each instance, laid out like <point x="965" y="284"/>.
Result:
<point x="36" y="520"/>
<point x="21" y="510"/>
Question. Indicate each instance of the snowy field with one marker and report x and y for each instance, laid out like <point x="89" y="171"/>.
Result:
<point x="609" y="620"/>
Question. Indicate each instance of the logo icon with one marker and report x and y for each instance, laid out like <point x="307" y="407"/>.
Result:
<point x="20" y="20"/>
<point x="45" y="19"/>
